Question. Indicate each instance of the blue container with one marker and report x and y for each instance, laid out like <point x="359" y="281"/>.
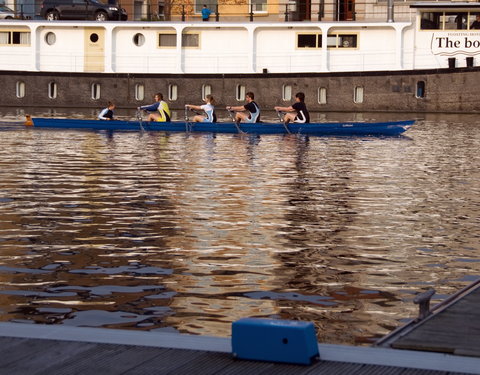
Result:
<point x="274" y="340"/>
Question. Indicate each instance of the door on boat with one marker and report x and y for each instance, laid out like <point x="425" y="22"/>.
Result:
<point x="94" y="49"/>
<point x="345" y="10"/>
<point x="303" y="10"/>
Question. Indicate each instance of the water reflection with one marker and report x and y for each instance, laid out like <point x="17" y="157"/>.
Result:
<point x="187" y="232"/>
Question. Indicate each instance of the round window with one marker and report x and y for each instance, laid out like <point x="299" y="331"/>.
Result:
<point x="50" y="38"/>
<point x="139" y="39"/>
<point x="94" y="38"/>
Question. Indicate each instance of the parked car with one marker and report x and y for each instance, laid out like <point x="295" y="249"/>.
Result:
<point x="81" y="10"/>
<point x="6" y="12"/>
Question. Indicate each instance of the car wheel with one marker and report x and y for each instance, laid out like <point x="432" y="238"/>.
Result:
<point x="8" y="18"/>
<point x="101" y="16"/>
<point x="51" y="15"/>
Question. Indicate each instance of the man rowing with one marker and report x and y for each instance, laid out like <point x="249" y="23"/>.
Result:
<point x="249" y="112"/>
<point x="159" y="110"/>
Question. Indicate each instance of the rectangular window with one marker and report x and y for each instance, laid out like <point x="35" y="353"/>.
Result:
<point x="342" y="41"/>
<point x="431" y="20"/>
<point x="167" y="40"/>
<point x="446" y="20"/>
<point x="258" y="6"/>
<point x="347" y="41"/>
<point x="309" y="41"/>
<point x="331" y="41"/>
<point x="190" y="40"/>
<point x="456" y="21"/>
<point x="14" y="38"/>
<point x="211" y="4"/>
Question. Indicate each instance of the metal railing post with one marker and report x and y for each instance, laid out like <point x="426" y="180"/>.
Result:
<point x="286" y="12"/>
<point x="321" y="10"/>
<point x="217" y="15"/>
<point x="251" y="12"/>
<point x="183" y="13"/>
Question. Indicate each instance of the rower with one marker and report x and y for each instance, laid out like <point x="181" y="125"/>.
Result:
<point x="249" y="112"/>
<point x="297" y="112"/>
<point x="159" y="109"/>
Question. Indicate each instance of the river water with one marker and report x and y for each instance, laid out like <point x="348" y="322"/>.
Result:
<point x="189" y="232"/>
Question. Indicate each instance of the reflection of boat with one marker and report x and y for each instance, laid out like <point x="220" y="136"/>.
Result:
<point x="388" y="128"/>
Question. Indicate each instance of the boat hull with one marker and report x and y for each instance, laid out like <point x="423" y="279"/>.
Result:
<point x="388" y="128"/>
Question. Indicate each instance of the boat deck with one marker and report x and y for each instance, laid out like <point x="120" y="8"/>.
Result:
<point x="54" y="349"/>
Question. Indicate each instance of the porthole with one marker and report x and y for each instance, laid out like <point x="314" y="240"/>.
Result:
<point x="139" y="92"/>
<point x="52" y="90"/>
<point x="206" y="90"/>
<point x="50" y="38"/>
<point x="420" y="89"/>
<point x="95" y="91"/>
<point x="240" y="93"/>
<point x="322" y="95"/>
<point x="287" y="92"/>
<point x="138" y="39"/>
<point x="358" y="95"/>
<point x="94" y="38"/>
<point x="172" y="92"/>
<point x="20" y="89"/>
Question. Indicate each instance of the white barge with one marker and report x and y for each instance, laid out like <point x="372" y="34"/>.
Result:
<point x="427" y="64"/>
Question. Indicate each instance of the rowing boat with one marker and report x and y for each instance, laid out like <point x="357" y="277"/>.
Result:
<point x="355" y="128"/>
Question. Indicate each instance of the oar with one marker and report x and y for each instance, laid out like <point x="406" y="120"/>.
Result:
<point x="279" y="114"/>
<point x="230" y="112"/>
<point x="139" y="118"/>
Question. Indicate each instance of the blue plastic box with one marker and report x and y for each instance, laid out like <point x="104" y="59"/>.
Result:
<point x="274" y="340"/>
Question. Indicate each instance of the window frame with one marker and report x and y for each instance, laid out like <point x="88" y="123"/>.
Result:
<point x="139" y="88"/>
<point x="11" y="37"/>
<point x="166" y="33"/>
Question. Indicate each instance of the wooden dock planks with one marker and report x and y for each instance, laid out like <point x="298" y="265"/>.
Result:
<point x="21" y="356"/>
<point x="455" y="329"/>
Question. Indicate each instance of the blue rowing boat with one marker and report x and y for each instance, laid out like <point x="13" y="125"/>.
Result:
<point x="386" y="128"/>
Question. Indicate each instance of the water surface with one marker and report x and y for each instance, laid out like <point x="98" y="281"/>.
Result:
<point x="189" y="232"/>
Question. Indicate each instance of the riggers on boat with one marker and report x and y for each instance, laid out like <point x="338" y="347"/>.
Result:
<point x="353" y="128"/>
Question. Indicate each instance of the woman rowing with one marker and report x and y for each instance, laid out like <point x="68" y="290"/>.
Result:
<point x="208" y="108"/>
<point x="297" y="112"/>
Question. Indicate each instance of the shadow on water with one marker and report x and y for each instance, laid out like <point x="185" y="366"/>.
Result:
<point x="189" y="232"/>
